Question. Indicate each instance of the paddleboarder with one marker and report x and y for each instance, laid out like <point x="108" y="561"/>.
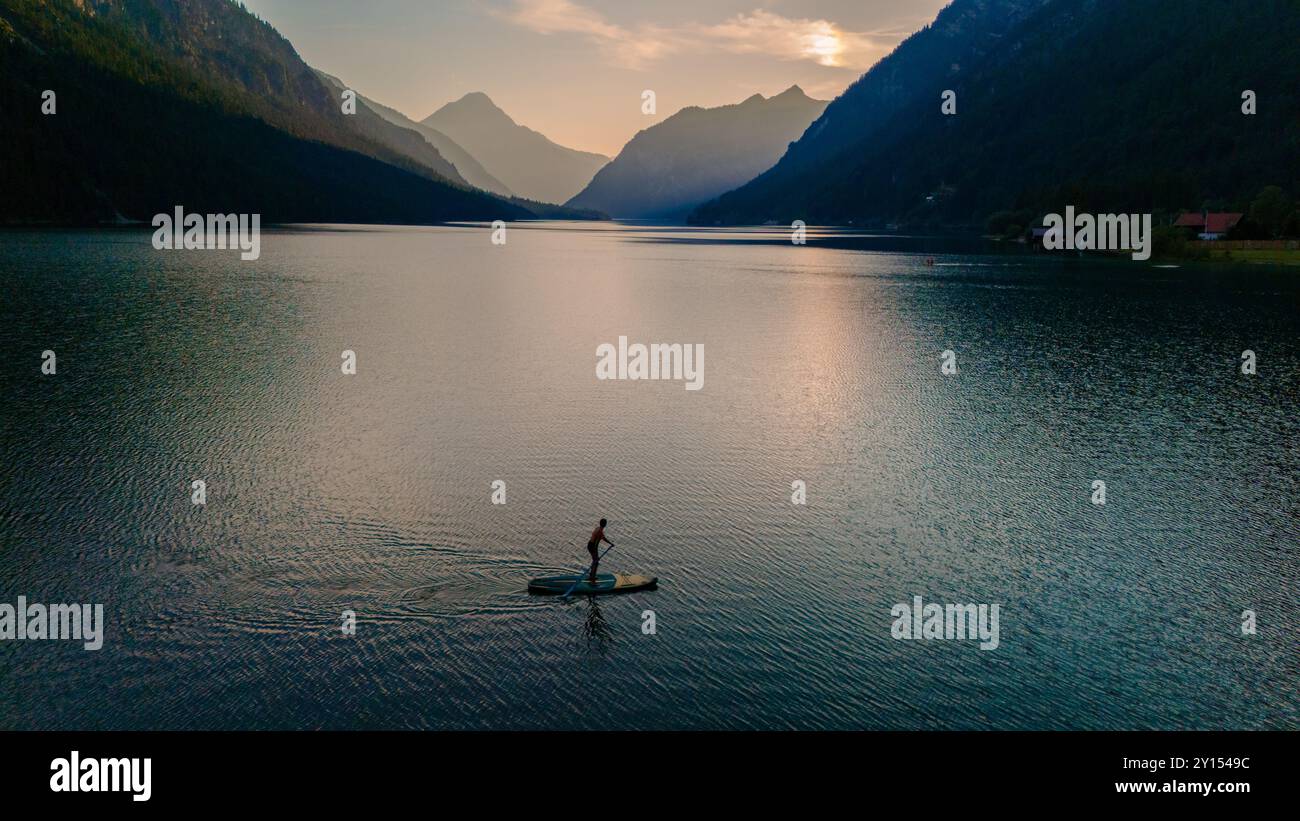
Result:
<point x="593" y="547"/>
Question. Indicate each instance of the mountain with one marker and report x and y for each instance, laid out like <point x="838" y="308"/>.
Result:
<point x="197" y="104"/>
<point x="1058" y="102"/>
<point x="697" y="154"/>
<point x="246" y="57"/>
<point x="527" y="162"/>
<point x="465" y="165"/>
<point x="916" y="71"/>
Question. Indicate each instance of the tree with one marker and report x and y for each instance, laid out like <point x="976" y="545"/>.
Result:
<point x="1270" y="210"/>
<point x="1291" y="230"/>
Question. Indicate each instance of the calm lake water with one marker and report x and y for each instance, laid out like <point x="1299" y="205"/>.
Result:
<point x="372" y="493"/>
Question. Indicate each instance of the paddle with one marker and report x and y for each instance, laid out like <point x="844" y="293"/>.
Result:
<point x="584" y="575"/>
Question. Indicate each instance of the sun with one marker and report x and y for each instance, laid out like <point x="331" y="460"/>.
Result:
<point x="824" y="47"/>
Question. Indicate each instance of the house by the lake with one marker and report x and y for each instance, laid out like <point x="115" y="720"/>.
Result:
<point x="1208" y="224"/>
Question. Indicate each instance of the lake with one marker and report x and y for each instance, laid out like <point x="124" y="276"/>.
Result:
<point x="476" y="364"/>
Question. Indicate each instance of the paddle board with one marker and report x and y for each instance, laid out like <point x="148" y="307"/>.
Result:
<point x="605" y="583"/>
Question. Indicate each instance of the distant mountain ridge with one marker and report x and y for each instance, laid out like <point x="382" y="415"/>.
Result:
<point x="697" y="154"/>
<point x="526" y="161"/>
<point x="466" y="167"/>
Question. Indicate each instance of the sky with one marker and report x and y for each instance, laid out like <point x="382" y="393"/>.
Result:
<point x="575" y="70"/>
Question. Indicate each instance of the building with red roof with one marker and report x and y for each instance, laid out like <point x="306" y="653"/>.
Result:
<point x="1209" y="225"/>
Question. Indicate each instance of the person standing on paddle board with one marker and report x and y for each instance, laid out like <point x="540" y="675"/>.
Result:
<point x="593" y="547"/>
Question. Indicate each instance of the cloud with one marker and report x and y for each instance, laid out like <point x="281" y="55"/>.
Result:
<point x="823" y="42"/>
<point x="758" y="32"/>
<point x="626" y="47"/>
